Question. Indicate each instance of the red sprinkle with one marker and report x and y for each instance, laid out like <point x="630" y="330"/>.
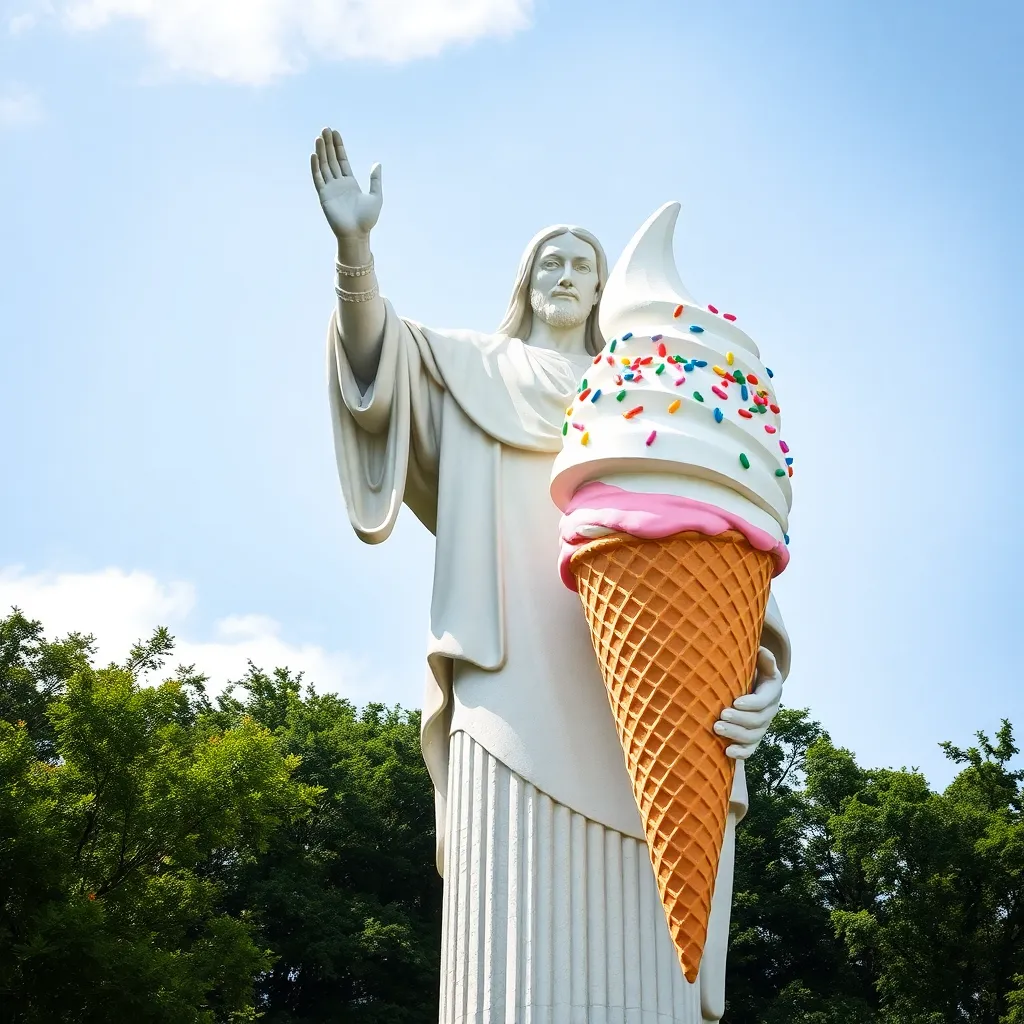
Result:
<point x="678" y="312"/>
<point x="746" y="414"/>
<point x="784" y="446"/>
<point x="721" y="394"/>
<point x="662" y="351"/>
<point x="712" y="308"/>
<point x="758" y="400"/>
<point x="729" y="316"/>
<point x="774" y="408"/>
<point x="751" y="379"/>
<point x="790" y="470"/>
<point x="583" y="394"/>
<point x="597" y="359"/>
<point x="618" y="378"/>
<point x="647" y="360"/>
<point x="578" y="426"/>
<point x="650" y="438"/>
<point x="769" y="428"/>
<point x="611" y="360"/>
<point x="633" y="412"/>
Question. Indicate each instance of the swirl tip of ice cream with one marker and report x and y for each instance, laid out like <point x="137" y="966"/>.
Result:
<point x="644" y="289"/>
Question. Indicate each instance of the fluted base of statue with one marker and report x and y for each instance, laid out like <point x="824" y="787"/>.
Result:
<point x="549" y="917"/>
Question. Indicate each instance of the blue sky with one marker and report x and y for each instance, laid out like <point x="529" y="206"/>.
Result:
<point x="851" y="184"/>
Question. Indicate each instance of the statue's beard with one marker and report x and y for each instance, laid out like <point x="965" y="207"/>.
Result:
<point x="556" y="315"/>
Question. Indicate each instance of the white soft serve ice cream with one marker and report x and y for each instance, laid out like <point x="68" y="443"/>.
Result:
<point x="676" y="425"/>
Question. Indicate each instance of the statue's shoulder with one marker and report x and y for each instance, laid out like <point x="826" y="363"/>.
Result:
<point x="482" y="341"/>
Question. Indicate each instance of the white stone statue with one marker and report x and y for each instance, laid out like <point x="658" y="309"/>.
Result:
<point x="551" y="913"/>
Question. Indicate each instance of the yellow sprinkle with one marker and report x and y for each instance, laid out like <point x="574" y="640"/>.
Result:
<point x="719" y="371"/>
<point x="585" y="439"/>
<point x="625" y="361"/>
<point x="729" y="358"/>
<point x="568" y="412"/>
<point x="674" y="406"/>
<point x="763" y="392"/>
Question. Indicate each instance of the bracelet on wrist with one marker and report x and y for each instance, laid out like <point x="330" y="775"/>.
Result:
<point x="365" y="296"/>
<point x="361" y="270"/>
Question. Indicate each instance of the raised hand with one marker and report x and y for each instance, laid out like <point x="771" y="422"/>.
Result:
<point x="350" y="211"/>
<point x="746" y="722"/>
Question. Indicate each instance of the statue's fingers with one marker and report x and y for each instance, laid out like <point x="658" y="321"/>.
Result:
<point x="321" y="155"/>
<point x="766" y="693"/>
<point x="339" y="148"/>
<point x="749" y="719"/>
<point x="332" y="155"/>
<point x="736" y="733"/>
<point x="314" y="166"/>
<point x="740" y="751"/>
<point x="766" y="663"/>
<point x="375" y="180"/>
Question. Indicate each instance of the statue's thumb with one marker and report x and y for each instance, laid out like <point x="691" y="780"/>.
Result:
<point x="375" y="180"/>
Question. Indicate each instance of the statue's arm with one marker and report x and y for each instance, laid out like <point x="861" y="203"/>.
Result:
<point x="351" y="213"/>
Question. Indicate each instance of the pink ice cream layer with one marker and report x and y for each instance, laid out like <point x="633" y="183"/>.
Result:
<point x="650" y="517"/>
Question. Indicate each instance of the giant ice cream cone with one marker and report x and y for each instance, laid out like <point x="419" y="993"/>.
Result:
<point x="674" y="524"/>
<point x="675" y="624"/>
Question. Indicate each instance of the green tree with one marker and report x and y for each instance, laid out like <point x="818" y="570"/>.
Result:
<point x="114" y="798"/>
<point x="863" y="895"/>
<point x="348" y="896"/>
<point x="943" y="927"/>
<point x="786" y="963"/>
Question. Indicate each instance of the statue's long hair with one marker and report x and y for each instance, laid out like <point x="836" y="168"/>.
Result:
<point x="518" y="319"/>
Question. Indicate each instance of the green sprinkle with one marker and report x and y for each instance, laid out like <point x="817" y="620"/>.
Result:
<point x="611" y="347"/>
<point x="660" y="369"/>
<point x="753" y="408"/>
<point x="744" y="461"/>
<point x="583" y="386"/>
<point x="565" y="430"/>
<point x="620" y="396"/>
<point x="780" y="472"/>
<point x="737" y="375"/>
<point x="762" y="409"/>
<point x="698" y="396"/>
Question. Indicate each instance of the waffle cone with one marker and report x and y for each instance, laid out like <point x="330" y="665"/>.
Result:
<point x="676" y="625"/>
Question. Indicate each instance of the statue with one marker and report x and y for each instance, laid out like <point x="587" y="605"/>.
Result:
<point x="550" y="907"/>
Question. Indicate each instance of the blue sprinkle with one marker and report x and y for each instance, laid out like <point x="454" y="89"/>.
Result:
<point x="789" y="460"/>
<point x="688" y="367"/>
<point x="696" y="329"/>
<point x="657" y="337"/>
<point x="596" y="395"/>
<point x="627" y="376"/>
<point x="785" y="537"/>
<point x="744" y="392"/>
<point x="629" y="334"/>
<point x="700" y="362"/>
<point x="718" y="416"/>
<point x="769" y="372"/>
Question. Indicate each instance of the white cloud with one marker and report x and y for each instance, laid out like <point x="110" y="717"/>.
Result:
<point x="254" y="41"/>
<point x="120" y="607"/>
<point x="19" y="106"/>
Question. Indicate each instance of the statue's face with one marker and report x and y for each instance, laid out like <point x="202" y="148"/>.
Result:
<point x="563" y="284"/>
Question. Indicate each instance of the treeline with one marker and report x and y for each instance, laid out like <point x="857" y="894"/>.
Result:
<point x="268" y="855"/>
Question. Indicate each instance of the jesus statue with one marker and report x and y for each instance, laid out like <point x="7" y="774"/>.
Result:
<point x="551" y="910"/>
